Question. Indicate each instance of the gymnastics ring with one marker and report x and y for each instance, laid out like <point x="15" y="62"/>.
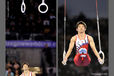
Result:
<point x="100" y="52"/>
<point x="23" y="7"/>
<point x="43" y="4"/>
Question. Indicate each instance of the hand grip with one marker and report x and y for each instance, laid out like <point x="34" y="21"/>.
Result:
<point x="64" y="55"/>
<point x="100" y="52"/>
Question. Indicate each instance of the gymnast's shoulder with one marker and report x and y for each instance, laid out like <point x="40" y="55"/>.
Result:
<point x="89" y="37"/>
<point x="73" y="38"/>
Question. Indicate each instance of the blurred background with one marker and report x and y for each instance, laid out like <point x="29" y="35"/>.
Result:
<point x="84" y="10"/>
<point x="31" y="37"/>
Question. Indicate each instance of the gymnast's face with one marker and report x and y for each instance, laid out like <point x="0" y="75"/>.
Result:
<point x="25" y="67"/>
<point x="81" y="28"/>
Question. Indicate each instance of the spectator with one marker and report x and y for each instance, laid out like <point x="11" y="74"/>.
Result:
<point x="46" y="22"/>
<point x="52" y="16"/>
<point x="9" y="72"/>
<point x="9" y="64"/>
<point x="17" y="73"/>
<point x="12" y="23"/>
<point x="7" y="31"/>
<point x="16" y="66"/>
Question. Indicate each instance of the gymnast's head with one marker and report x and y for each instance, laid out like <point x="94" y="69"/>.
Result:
<point x="25" y="67"/>
<point x="81" y="26"/>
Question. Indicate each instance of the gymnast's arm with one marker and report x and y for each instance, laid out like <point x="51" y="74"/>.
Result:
<point x="71" y="45"/>
<point x="92" y="45"/>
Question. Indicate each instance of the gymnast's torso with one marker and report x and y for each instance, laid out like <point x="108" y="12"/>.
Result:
<point x="82" y="45"/>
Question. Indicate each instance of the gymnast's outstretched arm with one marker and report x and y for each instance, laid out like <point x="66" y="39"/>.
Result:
<point x="71" y="45"/>
<point x="92" y="45"/>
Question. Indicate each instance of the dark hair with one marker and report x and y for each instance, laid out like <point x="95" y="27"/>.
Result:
<point x="9" y="68"/>
<point x="25" y="64"/>
<point x="81" y="22"/>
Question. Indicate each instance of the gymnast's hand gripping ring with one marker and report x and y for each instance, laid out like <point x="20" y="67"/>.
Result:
<point x="64" y="62"/>
<point x="23" y="7"/>
<point x="43" y="4"/>
<point x="100" y="52"/>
